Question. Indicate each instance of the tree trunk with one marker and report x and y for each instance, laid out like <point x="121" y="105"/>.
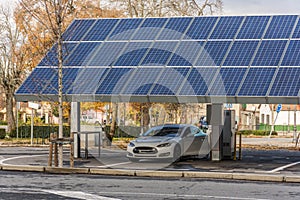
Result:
<point x="10" y="112"/>
<point x="145" y="113"/>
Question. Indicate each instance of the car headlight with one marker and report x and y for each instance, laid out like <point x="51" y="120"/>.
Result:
<point x="131" y="144"/>
<point x="164" y="145"/>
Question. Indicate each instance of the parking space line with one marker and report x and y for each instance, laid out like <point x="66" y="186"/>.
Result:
<point x="284" y="167"/>
<point x="17" y="157"/>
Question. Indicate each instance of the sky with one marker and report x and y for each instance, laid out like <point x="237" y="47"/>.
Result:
<point x="252" y="7"/>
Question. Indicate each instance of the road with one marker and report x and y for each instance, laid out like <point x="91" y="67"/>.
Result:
<point x="20" y="185"/>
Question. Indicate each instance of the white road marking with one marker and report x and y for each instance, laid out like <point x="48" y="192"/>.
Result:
<point x="78" y="195"/>
<point x="111" y="165"/>
<point x="284" y="167"/>
<point x="185" y="196"/>
<point x="17" y="157"/>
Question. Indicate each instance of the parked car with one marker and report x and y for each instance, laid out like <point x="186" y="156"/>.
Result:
<point x="171" y="141"/>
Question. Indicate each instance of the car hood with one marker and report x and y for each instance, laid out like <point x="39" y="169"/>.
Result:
<point x="154" y="139"/>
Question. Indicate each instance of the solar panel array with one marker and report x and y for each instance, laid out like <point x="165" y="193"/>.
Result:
<point x="225" y="56"/>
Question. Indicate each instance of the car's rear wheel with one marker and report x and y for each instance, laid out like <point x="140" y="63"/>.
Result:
<point x="176" y="153"/>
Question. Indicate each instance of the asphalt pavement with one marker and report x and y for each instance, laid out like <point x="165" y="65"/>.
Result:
<point x="262" y="159"/>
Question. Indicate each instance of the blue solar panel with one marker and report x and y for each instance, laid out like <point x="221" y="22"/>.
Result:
<point x="287" y="83"/>
<point x="125" y="29"/>
<point x="87" y="80"/>
<point x="228" y="81"/>
<point x="51" y="58"/>
<point x="132" y="54"/>
<point x="257" y="81"/>
<point x="107" y="54"/>
<point x="100" y="30"/>
<point x="227" y="28"/>
<point x="297" y="31"/>
<point x="198" y="81"/>
<point x="200" y="28"/>
<point x="149" y="29"/>
<point x="186" y="53"/>
<point x="292" y="55"/>
<point x="82" y="54"/>
<point x="38" y="78"/>
<point x="281" y="27"/>
<point x="175" y="28"/>
<point x="77" y="30"/>
<point x="142" y="81"/>
<point x="253" y="27"/>
<point x="170" y="81"/>
<point x="114" y="81"/>
<point x="241" y="53"/>
<point x="159" y="54"/>
<point x="213" y="53"/>
<point x="269" y="53"/>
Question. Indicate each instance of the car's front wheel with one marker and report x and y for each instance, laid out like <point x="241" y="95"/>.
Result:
<point x="176" y="153"/>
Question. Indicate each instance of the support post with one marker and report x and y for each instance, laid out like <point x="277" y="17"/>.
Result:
<point x="75" y="127"/>
<point x="72" y="150"/>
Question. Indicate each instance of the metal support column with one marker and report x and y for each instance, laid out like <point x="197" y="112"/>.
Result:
<point x="75" y="127"/>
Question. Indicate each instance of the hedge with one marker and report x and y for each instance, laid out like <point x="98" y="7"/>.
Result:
<point x="256" y="132"/>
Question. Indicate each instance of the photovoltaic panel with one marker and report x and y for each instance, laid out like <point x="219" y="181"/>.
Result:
<point x="100" y="30"/>
<point x="198" y="81"/>
<point x="287" y="82"/>
<point x="227" y="28"/>
<point x="292" y="55"/>
<point x="227" y="81"/>
<point x="296" y="33"/>
<point x="77" y="30"/>
<point x="170" y="80"/>
<point x="253" y="27"/>
<point x="51" y="57"/>
<point x="149" y="29"/>
<point x="159" y="54"/>
<point x="269" y="53"/>
<point x="241" y="53"/>
<point x="114" y="81"/>
<point x="36" y="81"/>
<point x="69" y="75"/>
<point x="87" y="80"/>
<point x="82" y="54"/>
<point x="133" y="54"/>
<point x="213" y="53"/>
<point x="142" y="81"/>
<point x="200" y="28"/>
<point x="107" y="54"/>
<point x="175" y="28"/>
<point x="186" y="53"/>
<point x="125" y="29"/>
<point x="257" y="81"/>
<point x="281" y="27"/>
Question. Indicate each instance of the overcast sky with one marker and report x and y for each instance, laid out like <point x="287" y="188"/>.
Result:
<point x="253" y="7"/>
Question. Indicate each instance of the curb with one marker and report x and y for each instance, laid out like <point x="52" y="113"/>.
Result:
<point x="112" y="172"/>
<point x="149" y="173"/>
<point x="23" y="168"/>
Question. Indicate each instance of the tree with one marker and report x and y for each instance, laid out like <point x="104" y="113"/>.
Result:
<point x="12" y="61"/>
<point x="163" y="8"/>
<point x="52" y="17"/>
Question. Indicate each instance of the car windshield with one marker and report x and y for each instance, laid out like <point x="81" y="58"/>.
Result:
<point x="163" y="131"/>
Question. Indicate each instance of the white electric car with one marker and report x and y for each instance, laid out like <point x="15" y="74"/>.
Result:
<point x="171" y="141"/>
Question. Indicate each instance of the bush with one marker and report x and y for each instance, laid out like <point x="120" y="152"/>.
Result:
<point x="39" y="131"/>
<point x="256" y="132"/>
<point x="2" y="133"/>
